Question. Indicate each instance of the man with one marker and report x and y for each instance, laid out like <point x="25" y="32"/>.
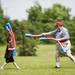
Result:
<point x="61" y="34"/>
<point x="11" y="45"/>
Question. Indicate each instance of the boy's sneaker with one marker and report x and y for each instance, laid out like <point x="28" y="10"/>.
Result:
<point x="1" y="68"/>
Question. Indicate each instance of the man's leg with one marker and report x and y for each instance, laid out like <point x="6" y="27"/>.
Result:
<point x="57" y="59"/>
<point x="68" y="47"/>
<point x="70" y="56"/>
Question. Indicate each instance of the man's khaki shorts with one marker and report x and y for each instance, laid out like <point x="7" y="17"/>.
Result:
<point x="66" y="45"/>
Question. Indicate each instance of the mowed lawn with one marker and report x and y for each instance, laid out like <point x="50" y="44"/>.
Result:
<point x="42" y="64"/>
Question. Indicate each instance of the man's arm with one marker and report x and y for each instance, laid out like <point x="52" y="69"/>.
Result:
<point x="52" y="33"/>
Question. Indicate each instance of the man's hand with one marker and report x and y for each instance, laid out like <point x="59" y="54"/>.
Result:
<point x="45" y="34"/>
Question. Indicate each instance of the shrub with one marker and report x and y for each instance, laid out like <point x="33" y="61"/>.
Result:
<point x="29" y="48"/>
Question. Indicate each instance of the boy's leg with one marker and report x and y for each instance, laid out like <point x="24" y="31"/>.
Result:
<point x="16" y="65"/>
<point x="2" y="67"/>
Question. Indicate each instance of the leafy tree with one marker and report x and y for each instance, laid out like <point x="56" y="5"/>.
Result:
<point x="2" y="30"/>
<point x="39" y="21"/>
<point x="43" y="21"/>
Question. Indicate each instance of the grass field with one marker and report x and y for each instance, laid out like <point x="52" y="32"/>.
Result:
<point x="42" y="64"/>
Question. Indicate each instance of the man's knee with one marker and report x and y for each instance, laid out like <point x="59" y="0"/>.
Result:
<point x="68" y="52"/>
<point x="57" y="53"/>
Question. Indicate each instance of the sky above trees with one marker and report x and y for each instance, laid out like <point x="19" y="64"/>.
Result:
<point x="16" y="9"/>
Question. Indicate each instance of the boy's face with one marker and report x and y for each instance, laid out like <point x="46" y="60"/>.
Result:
<point x="10" y="32"/>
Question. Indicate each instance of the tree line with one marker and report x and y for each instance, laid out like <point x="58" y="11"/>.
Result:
<point x="39" y="21"/>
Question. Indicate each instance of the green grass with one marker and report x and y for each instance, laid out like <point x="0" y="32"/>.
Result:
<point x="42" y="64"/>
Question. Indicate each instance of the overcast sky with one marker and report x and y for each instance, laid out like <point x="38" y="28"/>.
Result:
<point x="16" y="9"/>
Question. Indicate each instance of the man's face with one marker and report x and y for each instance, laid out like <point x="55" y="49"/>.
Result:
<point x="58" y="24"/>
